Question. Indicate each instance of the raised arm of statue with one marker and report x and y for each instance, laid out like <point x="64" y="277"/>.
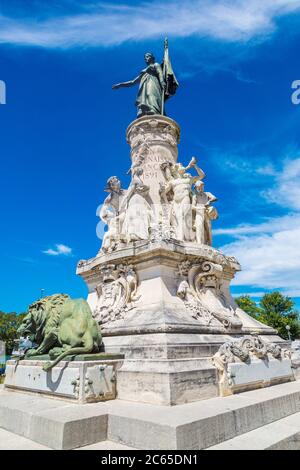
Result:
<point x="127" y="84"/>
<point x="211" y="198"/>
<point x="200" y="172"/>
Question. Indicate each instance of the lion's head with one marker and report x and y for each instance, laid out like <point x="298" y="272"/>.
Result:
<point x="42" y="316"/>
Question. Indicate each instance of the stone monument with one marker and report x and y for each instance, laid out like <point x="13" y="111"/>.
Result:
<point x="158" y="288"/>
<point x="159" y="326"/>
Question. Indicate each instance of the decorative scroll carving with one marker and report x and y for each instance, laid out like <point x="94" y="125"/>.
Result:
<point x="117" y="291"/>
<point x="200" y="289"/>
<point x="243" y="350"/>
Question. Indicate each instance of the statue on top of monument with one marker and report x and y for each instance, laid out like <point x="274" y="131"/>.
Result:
<point x="156" y="84"/>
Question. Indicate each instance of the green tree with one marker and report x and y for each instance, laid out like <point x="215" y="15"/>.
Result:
<point x="278" y="311"/>
<point x="9" y="323"/>
<point x="248" y="305"/>
<point x="275" y="310"/>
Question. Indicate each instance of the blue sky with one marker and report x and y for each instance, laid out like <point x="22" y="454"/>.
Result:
<point x="63" y="130"/>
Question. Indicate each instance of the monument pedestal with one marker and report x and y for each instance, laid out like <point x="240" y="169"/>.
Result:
<point x="169" y="339"/>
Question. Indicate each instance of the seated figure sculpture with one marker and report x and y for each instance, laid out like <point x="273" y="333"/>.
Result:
<point x="60" y="326"/>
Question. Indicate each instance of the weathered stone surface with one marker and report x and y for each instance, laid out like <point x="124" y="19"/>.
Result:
<point x="83" y="381"/>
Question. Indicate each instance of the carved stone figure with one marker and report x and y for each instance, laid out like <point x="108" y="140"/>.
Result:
<point x="112" y="215"/>
<point x="179" y="184"/>
<point x="117" y="290"/>
<point x="137" y="208"/>
<point x="127" y="213"/>
<point x="203" y="213"/>
<point x="60" y="326"/>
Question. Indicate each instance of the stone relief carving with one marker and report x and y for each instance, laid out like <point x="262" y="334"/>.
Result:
<point x="200" y="289"/>
<point x="116" y="291"/>
<point x="243" y="350"/>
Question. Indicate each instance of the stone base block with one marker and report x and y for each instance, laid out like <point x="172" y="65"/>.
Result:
<point x="167" y="382"/>
<point x="172" y="369"/>
<point x="79" y="380"/>
<point x="258" y="374"/>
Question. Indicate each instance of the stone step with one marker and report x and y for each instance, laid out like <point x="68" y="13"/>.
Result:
<point x="202" y="424"/>
<point x="11" y="441"/>
<point x="283" y="434"/>
<point x="106" y="445"/>
<point x="62" y="425"/>
<point x="52" y="422"/>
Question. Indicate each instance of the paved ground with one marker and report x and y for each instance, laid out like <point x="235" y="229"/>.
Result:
<point x="10" y="441"/>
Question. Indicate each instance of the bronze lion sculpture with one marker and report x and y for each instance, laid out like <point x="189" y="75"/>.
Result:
<point x="60" y="326"/>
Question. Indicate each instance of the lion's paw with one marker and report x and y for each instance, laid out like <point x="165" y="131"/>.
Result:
<point x="31" y="352"/>
<point x="47" y="366"/>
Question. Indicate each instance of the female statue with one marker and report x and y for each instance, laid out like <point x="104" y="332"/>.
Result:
<point x="151" y="90"/>
<point x="138" y="218"/>
<point x="112" y="215"/>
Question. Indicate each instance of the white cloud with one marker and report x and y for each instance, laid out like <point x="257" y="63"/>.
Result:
<point x="286" y="191"/>
<point x="269" y="226"/>
<point x="60" y="250"/>
<point x="269" y="252"/>
<point x="104" y="25"/>
<point x="269" y="261"/>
